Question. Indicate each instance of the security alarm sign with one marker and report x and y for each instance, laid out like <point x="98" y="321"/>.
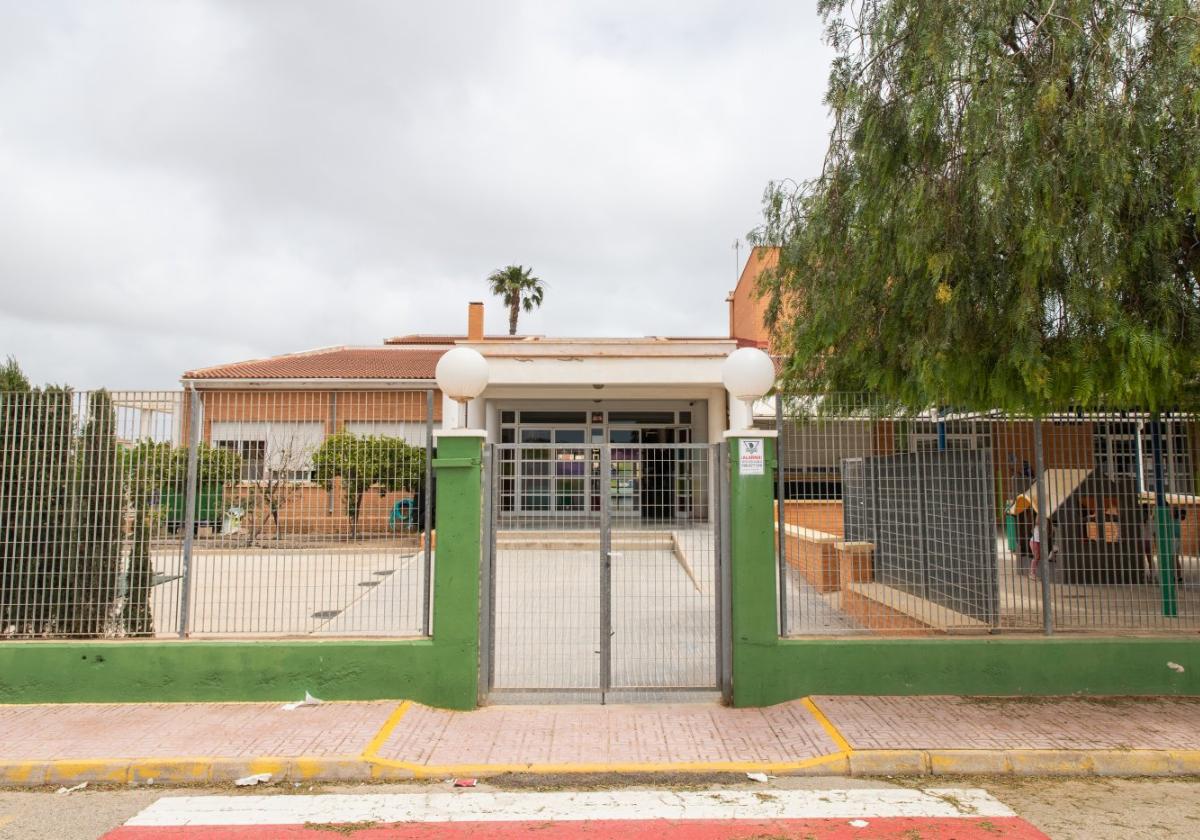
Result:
<point x="752" y="461"/>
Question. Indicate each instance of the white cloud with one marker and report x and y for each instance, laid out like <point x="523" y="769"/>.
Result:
<point x="193" y="183"/>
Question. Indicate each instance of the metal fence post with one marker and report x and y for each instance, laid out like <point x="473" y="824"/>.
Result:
<point x="1039" y="467"/>
<point x="189" y="508"/>
<point x="1164" y="525"/>
<point x="329" y="501"/>
<point x="605" y="570"/>
<point x="780" y="529"/>
<point x="724" y="577"/>
<point x="427" y="501"/>
<point x="487" y="585"/>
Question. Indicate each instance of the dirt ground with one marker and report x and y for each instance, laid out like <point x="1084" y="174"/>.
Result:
<point x="1101" y="808"/>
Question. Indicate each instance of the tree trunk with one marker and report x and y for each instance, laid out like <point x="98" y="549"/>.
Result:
<point x="514" y="308"/>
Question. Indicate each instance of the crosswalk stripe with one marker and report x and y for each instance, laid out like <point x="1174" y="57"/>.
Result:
<point x="636" y="805"/>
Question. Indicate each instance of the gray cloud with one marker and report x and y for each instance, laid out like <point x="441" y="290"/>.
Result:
<point x="197" y="182"/>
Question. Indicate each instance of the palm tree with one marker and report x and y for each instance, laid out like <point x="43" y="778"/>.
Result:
<point x="519" y="289"/>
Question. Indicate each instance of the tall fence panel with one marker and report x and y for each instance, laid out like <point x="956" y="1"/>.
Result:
<point x="925" y="524"/>
<point x="214" y="512"/>
<point x="84" y="550"/>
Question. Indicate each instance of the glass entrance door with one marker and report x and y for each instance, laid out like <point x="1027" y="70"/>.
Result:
<point x="552" y="478"/>
<point x="555" y="466"/>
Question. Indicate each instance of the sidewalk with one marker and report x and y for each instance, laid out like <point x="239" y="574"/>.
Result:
<point x="218" y="742"/>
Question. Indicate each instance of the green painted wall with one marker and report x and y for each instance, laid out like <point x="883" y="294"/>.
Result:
<point x="767" y="669"/>
<point x="791" y="668"/>
<point x="137" y="671"/>
<point x="752" y="570"/>
<point x="442" y="671"/>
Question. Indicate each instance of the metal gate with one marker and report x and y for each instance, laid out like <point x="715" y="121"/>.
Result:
<point x="603" y="571"/>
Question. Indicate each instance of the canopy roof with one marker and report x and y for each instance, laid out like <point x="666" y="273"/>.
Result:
<point x="1060" y="485"/>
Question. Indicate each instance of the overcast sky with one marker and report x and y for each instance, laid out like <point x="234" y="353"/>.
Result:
<point x="190" y="183"/>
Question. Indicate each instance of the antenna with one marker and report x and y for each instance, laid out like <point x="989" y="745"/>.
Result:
<point x="737" y="258"/>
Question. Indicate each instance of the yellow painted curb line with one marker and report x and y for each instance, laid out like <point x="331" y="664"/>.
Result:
<point x="370" y="765"/>
<point x="417" y="770"/>
<point x="832" y="731"/>
<point x="193" y="770"/>
<point x="386" y="730"/>
<point x="177" y="770"/>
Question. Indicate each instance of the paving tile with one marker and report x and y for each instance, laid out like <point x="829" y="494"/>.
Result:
<point x="195" y="730"/>
<point x="624" y="735"/>
<point x="963" y="723"/>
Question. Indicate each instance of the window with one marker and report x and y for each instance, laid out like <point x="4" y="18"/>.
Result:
<point x="412" y="432"/>
<point x="655" y="418"/>
<point x="1114" y="446"/>
<point x="575" y="417"/>
<point x="282" y="450"/>
<point x="253" y="454"/>
<point x="960" y="436"/>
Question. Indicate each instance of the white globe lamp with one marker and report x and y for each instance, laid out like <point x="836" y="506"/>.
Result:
<point x="462" y="374"/>
<point x="748" y="373"/>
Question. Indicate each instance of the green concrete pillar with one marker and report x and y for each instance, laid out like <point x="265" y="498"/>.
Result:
<point x="459" y="511"/>
<point x="753" y="596"/>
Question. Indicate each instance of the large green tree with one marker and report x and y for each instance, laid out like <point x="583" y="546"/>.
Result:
<point x="11" y="376"/>
<point x="98" y="504"/>
<point x="1007" y="212"/>
<point x="360" y="464"/>
<point x="37" y="537"/>
<point x="519" y="289"/>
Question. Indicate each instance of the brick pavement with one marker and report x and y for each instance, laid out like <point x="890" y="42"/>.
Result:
<point x="983" y="723"/>
<point x="162" y="730"/>
<point x="196" y="742"/>
<point x="597" y="735"/>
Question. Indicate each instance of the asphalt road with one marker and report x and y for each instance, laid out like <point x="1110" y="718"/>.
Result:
<point x="1065" y="809"/>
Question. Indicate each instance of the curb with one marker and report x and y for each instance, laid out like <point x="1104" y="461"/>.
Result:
<point x="190" y="771"/>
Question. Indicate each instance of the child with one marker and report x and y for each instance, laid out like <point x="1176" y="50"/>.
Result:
<point x="1035" y="548"/>
<point x="1147" y="543"/>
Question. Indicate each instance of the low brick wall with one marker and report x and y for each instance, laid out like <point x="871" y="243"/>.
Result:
<point x="306" y="511"/>
<point x="856" y="562"/>
<point x="813" y="554"/>
<point x="817" y="514"/>
<point x="879" y="618"/>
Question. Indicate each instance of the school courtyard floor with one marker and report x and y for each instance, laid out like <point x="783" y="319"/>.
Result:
<point x="548" y="596"/>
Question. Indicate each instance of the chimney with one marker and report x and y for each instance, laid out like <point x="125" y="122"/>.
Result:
<point x="475" y="321"/>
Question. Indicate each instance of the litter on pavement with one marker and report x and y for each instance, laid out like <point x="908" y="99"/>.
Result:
<point x="249" y="781"/>
<point x="308" y="700"/>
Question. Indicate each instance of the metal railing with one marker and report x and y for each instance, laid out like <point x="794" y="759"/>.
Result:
<point x="215" y="512"/>
<point x="934" y="523"/>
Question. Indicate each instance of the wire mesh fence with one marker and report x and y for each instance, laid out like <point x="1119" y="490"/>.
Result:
<point x="604" y="566"/>
<point x="935" y="523"/>
<point x="214" y="512"/>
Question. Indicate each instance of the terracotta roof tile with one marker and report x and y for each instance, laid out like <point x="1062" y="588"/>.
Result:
<point x="424" y="338"/>
<point x="430" y="338"/>
<point x="332" y="363"/>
